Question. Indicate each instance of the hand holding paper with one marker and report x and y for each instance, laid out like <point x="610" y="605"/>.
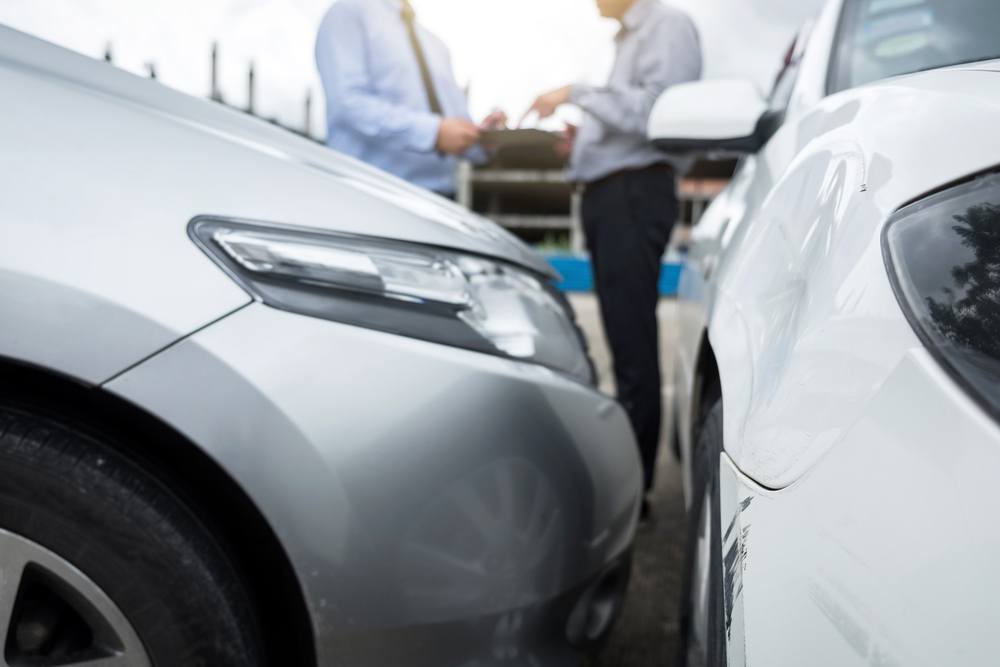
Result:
<point x="564" y="148"/>
<point x="497" y="120"/>
<point x="456" y="136"/>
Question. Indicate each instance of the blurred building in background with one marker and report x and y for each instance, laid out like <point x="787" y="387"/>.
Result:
<point x="524" y="189"/>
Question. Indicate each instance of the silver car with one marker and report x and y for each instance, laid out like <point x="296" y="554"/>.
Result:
<point x="261" y="404"/>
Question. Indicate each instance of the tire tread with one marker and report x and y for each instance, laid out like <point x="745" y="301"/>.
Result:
<point x="64" y="488"/>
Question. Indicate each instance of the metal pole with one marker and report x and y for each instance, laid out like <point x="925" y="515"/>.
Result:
<point x="576" y="243"/>
<point x="250" y="90"/>
<point x="215" y="93"/>
<point x="465" y="184"/>
<point x="308" y="119"/>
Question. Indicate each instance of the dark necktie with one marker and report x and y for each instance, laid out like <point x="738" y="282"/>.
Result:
<point x="410" y="19"/>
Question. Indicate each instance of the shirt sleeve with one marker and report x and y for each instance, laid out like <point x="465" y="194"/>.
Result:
<point x="477" y="155"/>
<point x="670" y="54"/>
<point x="341" y="57"/>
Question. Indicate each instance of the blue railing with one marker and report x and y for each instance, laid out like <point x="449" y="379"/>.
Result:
<point x="578" y="275"/>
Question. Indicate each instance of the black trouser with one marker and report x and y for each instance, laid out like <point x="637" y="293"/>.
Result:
<point x="627" y="219"/>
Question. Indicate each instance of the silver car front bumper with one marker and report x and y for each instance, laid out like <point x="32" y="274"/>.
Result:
<point x="441" y="507"/>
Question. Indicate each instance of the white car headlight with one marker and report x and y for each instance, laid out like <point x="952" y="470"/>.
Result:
<point x="402" y="288"/>
<point x="944" y="261"/>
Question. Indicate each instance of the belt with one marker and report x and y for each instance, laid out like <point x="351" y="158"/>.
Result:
<point x="658" y="167"/>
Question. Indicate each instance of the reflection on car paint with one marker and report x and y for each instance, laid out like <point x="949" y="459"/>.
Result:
<point x="490" y="541"/>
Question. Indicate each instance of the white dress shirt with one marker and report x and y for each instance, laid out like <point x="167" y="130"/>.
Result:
<point x="657" y="47"/>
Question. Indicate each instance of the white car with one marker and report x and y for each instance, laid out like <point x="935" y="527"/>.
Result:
<point x="838" y="373"/>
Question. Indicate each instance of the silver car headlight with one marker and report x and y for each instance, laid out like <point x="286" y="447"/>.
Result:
<point x="944" y="261"/>
<point x="401" y="288"/>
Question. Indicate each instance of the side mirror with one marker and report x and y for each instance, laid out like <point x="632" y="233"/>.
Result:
<point x="715" y="116"/>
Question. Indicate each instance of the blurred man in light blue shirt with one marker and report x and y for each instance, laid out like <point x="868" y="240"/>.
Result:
<point x="391" y="96"/>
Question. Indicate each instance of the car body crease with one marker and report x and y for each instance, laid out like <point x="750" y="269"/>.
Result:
<point x="173" y="343"/>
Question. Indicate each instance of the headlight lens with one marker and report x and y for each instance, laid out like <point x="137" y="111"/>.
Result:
<point x="944" y="258"/>
<point x="401" y="288"/>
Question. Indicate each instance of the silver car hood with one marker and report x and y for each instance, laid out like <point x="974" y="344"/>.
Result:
<point x="397" y="209"/>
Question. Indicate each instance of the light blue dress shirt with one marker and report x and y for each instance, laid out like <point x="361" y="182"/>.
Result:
<point x="376" y="104"/>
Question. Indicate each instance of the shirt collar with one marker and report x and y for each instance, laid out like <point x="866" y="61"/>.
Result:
<point x="637" y="14"/>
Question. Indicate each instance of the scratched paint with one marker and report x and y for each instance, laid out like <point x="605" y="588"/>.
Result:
<point x="734" y="561"/>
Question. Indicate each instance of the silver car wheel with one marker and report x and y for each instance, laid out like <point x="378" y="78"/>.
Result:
<point x="51" y="613"/>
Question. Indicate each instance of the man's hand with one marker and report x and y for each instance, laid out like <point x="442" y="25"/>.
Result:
<point x="495" y="121"/>
<point x="547" y="104"/>
<point x="564" y="149"/>
<point x="456" y="136"/>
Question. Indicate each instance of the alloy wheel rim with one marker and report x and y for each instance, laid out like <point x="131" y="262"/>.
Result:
<point x="51" y="613"/>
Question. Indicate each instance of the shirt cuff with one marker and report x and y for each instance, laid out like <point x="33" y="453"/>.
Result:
<point x="477" y="155"/>
<point x="424" y="133"/>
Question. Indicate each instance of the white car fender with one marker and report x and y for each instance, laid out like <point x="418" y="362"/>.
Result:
<point x="809" y="281"/>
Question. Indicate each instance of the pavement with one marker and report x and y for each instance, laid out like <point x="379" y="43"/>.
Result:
<point x="647" y="632"/>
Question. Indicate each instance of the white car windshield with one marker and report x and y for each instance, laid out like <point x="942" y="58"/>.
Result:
<point x="884" y="38"/>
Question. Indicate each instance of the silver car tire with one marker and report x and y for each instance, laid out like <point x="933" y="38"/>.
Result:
<point x="102" y="566"/>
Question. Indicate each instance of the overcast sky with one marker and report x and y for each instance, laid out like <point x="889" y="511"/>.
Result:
<point x="505" y="51"/>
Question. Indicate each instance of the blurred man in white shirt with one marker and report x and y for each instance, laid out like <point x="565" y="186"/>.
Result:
<point x="630" y="201"/>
